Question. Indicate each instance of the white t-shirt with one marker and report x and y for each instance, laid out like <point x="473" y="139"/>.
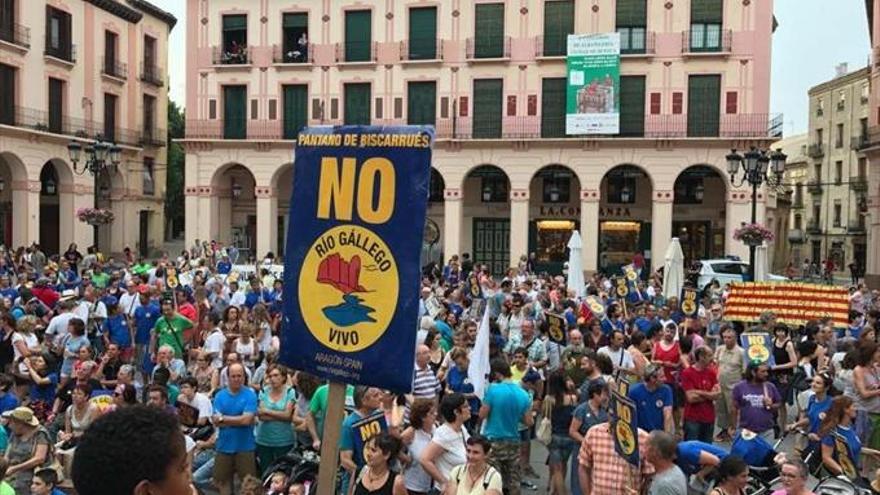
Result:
<point x="454" y="448"/>
<point x="82" y="311"/>
<point x="57" y="327"/>
<point x="128" y="303"/>
<point x="626" y="361"/>
<point x="201" y="402"/>
<point x="214" y="345"/>
<point x="30" y="341"/>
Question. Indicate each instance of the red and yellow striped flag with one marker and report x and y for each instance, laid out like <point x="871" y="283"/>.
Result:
<point x="793" y="303"/>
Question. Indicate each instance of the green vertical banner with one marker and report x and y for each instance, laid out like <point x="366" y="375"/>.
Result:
<point x="593" y="87"/>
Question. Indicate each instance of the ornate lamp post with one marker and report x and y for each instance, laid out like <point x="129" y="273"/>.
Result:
<point x="100" y="157"/>
<point x="757" y="166"/>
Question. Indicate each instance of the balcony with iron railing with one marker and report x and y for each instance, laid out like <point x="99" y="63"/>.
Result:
<point x="740" y="126"/>
<point x="814" y="187"/>
<point x="151" y="74"/>
<point x="153" y="136"/>
<point x="816" y="150"/>
<point x="415" y="50"/>
<point x="16" y="34"/>
<point x="796" y="236"/>
<point x="64" y="52"/>
<point x="356" y="52"/>
<point x="114" y="68"/>
<point x="43" y="121"/>
<point x="638" y="46"/>
<point x="858" y="183"/>
<point x="813" y="227"/>
<point x="550" y="47"/>
<point x="858" y="142"/>
<point x="293" y="56"/>
<point x="231" y="55"/>
<point x="488" y="48"/>
<point x="698" y="42"/>
<point x="856" y="227"/>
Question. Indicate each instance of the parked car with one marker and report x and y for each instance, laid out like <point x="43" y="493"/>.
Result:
<point x="727" y="270"/>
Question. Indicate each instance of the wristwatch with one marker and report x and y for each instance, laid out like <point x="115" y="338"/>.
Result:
<point x="220" y="419"/>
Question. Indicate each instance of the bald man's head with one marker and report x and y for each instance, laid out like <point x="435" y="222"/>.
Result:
<point x="423" y="355"/>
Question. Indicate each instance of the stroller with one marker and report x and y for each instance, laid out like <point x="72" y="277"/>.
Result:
<point x="300" y="466"/>
<point x="841" y="485"/>
<point x="763" y="459"/>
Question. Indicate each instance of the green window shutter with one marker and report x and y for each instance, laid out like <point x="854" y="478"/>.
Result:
<point x="553" y="107"/>
<point x="295" y="21"/>
<point x="632" y="13"/>
<point x="558" y="24"/>
<point x="358" y="35"/>
<point x="489" y="30"/>
<point x="295" y="109"/>
<point x="632" y="106"/>
<point x="488" y="96"/>
<point x="357" y="104"/>
<point x="7" y="87"/>
<point x="704" y="106"/>
<point x="234" y="22"/>
<point x="421" y="103"/>
<point x="707" y="11"/>
<point x="234" y="112"/>
<point x="423" y="33"/>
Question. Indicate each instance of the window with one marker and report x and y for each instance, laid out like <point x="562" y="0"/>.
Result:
<point x="817" y="213"/>
<point x="704" y="105"/>
<point x="558" y="24"/>
<point x="487" y="108"/>
<point x="798" y="222"/>
<point x="841" y="100"/>
<point x="556" y="184"/>
<point x="817" y="169"/>
<point x="7" y="89"/>
<point x="863" y="128"/>
<point x="357" y="104"/>
<point x="234" y="112"/>
<point x="295" y="38"/>
<point x="255" y="109"/>
<point x="838" y="210"/>
<point x="110" y="44"/>
<point x="421" y="103"/>
<point x="706" y="21"/>
<point x="655" y="103"/>
<point x="212" y="109"/>
<point x="273" y="109"/>
<point x="730" y="268"/>
<point x="677" y="103"/>
<point x="149" y="118"/>
<point x="730" y="104"/>
<point x="863" y="167"/>
<point x="820" y="107"/>
<point x="866" y="93"/>
<point x="632" y="106"/>
<point x="110" y="117"/>
<point x="838" y="136"/>
<point x="149" y="72"/>
<point x="56" y="105"/>
<point x="295" y="109"/>
<point x="7" y="21"/>
<point x="422" y="33"/>
<point x="148" y="178"/>
<point x="553" y="107"/>
<point x="488" y="30"/>
<point x="631" y="24"/>
<point x="819" y="136"/>
<point x="838" y="172"/>
<point x="58" y="34"/>
<point x="235" y="47"/>
<point x="358" y="36"/>
<point x="378" y="108"/>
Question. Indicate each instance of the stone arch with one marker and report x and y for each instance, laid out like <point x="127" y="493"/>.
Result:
<point x="554" y="213"/>
<point x="699" y="211"/>
<point x="626" y="210"/>
<point x="14" y="206"/>
<point x="233" y="189"/>
<point x="488" y="221"/>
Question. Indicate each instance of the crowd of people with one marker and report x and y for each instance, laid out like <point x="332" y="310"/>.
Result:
<point x="181" y="353"/>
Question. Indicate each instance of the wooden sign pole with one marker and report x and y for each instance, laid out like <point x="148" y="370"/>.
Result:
<point x="330" y="439"/>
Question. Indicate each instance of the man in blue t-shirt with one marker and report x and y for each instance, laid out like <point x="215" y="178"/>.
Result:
<point x="653" y="401"/>
<point x="235" y="410"/>
<point x="145" y="317"/>
<point x="695" y="457"/>
<point x="505" y="405"/>
<point x="116" y="329"/>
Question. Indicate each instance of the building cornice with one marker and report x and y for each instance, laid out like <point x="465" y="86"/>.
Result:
<point x="118" y="9"/>
<point x="843" y="80"/>
<point x="154" y="11"/>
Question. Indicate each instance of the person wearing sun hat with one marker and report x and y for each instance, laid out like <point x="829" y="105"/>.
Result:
<point x="30" y="447"/>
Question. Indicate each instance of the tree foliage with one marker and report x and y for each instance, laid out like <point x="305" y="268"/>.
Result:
<point x="174" y="200"/>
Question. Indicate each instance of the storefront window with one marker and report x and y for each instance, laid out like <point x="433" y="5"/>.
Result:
<point x="552" y="240"/>
<point x="618" y="241"/>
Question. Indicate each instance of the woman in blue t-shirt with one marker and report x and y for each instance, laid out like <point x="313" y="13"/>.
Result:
<point x="817" y="407"/>
<point x="841" y="447"/>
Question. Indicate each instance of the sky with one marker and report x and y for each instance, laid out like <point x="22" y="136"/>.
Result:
<point x="812" y="38"/>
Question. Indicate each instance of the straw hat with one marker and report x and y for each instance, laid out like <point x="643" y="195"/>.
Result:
<point x="23" y="415"/>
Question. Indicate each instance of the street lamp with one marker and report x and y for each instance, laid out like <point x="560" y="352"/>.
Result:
<point x="99" y="156"/>
<point x="236" y="190"/>
<point x="758" y="166"/>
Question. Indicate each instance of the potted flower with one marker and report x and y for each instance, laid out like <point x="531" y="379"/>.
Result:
<point x="753" y="234"/>
<point x="95" y="216"/>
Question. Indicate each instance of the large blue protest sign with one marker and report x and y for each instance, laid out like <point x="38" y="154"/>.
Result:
<point x="351" y="273"/>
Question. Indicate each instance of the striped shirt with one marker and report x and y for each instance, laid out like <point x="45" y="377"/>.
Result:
<point x="425" y="384"/>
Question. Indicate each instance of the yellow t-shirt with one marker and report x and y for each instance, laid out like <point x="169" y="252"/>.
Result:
<point x="490" y="480"/>
<point x="516" y="375"/>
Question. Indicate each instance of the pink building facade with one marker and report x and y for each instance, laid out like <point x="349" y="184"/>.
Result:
<point x="490" y="76"/>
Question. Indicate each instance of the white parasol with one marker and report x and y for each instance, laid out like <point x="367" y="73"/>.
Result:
<point x="575" y="265"/>
<point x="673" y="270"/>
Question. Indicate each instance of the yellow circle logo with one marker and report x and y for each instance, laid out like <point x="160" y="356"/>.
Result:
<point x="348" y="288"/>
<point x="689" y="307"/>
<point x="758" y="353"/>
<point x="625" y="438"/>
